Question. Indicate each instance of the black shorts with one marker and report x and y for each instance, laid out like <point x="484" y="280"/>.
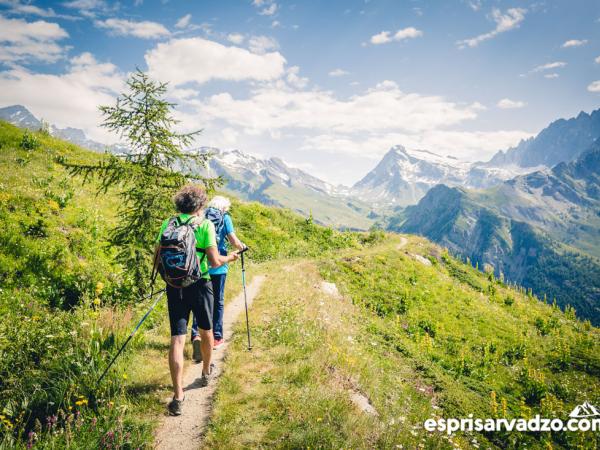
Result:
<point x="197" y="298"/>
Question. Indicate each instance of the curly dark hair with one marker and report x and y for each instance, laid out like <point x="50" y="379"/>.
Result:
<point x="189" y="199"/>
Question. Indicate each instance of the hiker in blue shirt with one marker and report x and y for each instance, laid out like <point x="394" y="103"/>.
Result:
<point x="217" y="212"/>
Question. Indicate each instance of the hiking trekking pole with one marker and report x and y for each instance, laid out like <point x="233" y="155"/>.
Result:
<point x="241" y="252"/>
<point x="132" y="333"/>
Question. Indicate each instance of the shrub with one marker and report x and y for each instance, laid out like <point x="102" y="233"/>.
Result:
<point x="29" y="141"/>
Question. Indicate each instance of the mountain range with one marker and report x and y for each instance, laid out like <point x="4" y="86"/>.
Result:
<point x="539" y="230"/>
<point x="532" y="212"/>
<point x="273" y="182"/>
<point x="561" y="141"/>
<point x="20" y="116"/>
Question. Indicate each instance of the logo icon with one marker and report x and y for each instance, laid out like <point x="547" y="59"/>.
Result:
<point x="586" y="409"/>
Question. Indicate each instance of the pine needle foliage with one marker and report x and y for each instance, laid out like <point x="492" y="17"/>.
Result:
<point x="146" y="177"/>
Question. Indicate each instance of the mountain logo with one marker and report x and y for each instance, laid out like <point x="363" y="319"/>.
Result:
<point x="586" y="409"/>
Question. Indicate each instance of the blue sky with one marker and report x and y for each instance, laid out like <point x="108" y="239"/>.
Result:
<point x="327" y="86"/>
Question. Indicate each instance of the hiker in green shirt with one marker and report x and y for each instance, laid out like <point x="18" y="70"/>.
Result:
<point x="196" y="297"/>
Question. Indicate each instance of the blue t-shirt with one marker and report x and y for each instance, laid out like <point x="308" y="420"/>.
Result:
<point x="222" y="244"/>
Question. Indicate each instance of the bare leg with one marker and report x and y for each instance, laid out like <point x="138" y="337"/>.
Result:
<point x="176" y="365"/>
<point x="207" y="345"/>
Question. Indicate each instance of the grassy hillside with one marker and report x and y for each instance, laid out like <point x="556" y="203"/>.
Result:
<point x="64" y="309"/>
<point x="523" y="253"/>
<point x="417" y="340"/>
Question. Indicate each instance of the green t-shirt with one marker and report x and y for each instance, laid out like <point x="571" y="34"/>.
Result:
<point x="205" y="237"/>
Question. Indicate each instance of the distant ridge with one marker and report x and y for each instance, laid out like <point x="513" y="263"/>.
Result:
<point x="561" y="141"/>
<point x="20" y="116"/>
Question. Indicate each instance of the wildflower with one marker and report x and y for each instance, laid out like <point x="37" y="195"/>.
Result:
<point x="99" y="287"/>
<point x="81" y="402"/>
<point x="124" y="376"/>
<point x="53" y="205"/>
<point x="96" y="301"/>
<point x="319" y="419"/>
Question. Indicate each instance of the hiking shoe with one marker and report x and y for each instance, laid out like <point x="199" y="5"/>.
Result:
<point x="197" y="352"/>
<point x="174" y="407"/>
<point x="205" y="378"/>
<point x="218" y="343"/>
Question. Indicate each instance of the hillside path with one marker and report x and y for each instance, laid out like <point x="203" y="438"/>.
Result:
<point x="403" y="242"/>
<point x="185" y="432"/>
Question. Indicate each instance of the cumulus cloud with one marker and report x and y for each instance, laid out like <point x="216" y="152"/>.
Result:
<point x="24" y="41"/>
<point x="597" y="60"/>
<point x="551" y="76"/>
<point x="236" y="38"/>
<point x="144" y="30"/>
<point x="507" y="103"/>
<point x="594" y="86"/>
<point x="67" y="99"/>
<point x="262" y="44"/>
<point x="184" y="21"/>
<point x="181" y="61"/>
<point x="504" y="22"/>
<point x="386" y="37"/>
<point x="384" y="107"/>
<point x="574" y="43"/>
<point x="294" y="79"/>
<point x="338" y="73"/>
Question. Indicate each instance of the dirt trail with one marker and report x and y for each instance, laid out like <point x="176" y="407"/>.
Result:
<point x="185" y="432"/>
<point x="403" y="242"/>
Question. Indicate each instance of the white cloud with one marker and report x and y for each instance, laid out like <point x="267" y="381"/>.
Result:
<point x="597" y="60"/>
<point x="180" y="61"/>
<point x="262" y="44"/>
<point x="386" y="37"/>
<point x="24" y="41"/>
<point x="294" y="79"/>
<point x="184" y="21"/>
<point x="143" y="30"/>
<point x="465" y="145"/>
<point x="594" y="86"/>
<point x="269" y="10"/>
<point x="236" y="38"/>
<point x="381" y="38"/>
<point x="338" y="73"/>
<point x="90" y="8"/>
<point x="548" y="66"/>
<point x="507" y="103"/>
<point x="16" y="7"/>
<point x="475" y="5"/>
<point x="551" y="76"/>
<point x="574" y="43"/>
<point x="384" y="107"/>
<point x="504" y="22"/>
<point x="275" y="24"/>
<point x="68" y="99"/>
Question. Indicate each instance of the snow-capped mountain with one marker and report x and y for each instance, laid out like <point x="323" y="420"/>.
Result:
<point x="404" y="176"/>
<point x="257" y="171"/>
<point x="564" y="140"/>
<point x="21" y="117"/>
<point x="273" y="182"/>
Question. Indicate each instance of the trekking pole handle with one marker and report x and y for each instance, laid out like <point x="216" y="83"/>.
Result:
<point x="244" y="250"/>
